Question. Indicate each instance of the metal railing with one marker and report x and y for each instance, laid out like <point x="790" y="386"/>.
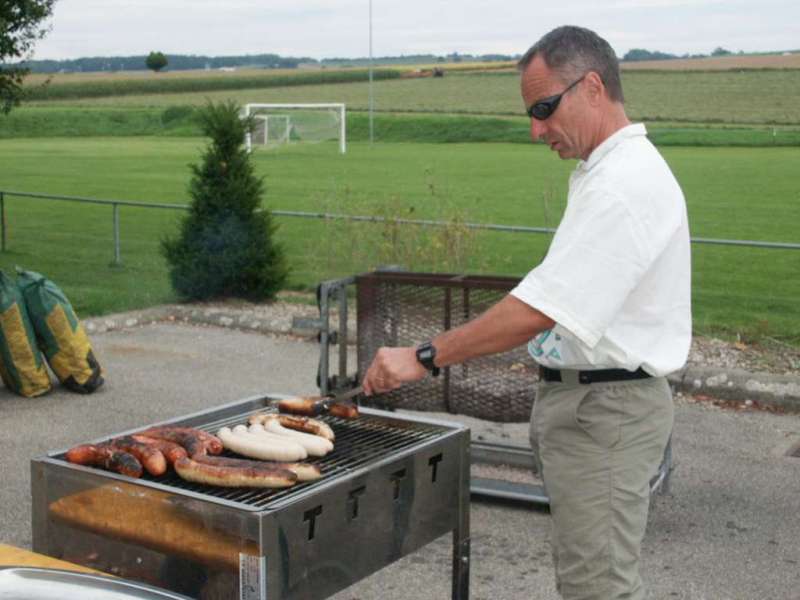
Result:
<point x="115" y="204"/>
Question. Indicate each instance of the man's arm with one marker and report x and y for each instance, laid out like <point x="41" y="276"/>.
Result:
<point x="506" y="325"/>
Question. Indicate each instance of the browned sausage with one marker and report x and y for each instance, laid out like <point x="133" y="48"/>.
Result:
<point x="297" y="423"/>
<point x="309" y="407"/>
<point x="314" y="405"/>
<point x="85" y="454"/>
<point x="190" y="439"/>
<point x="151" y="457"/>
<point x="343" y="410"/>
<point x="107" y="457"/>
<point x="170" y="450"/>
<point x="227" y="476"/>
<point x="304" y="471"/>
<point x="211" y="442"/>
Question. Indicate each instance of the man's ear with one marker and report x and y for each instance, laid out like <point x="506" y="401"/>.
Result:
<point x="595" y="87"/>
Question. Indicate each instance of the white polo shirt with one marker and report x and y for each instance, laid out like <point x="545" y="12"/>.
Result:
<point x="617" y="277"/>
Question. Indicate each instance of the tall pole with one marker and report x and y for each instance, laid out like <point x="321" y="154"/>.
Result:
<point x="371" y="126"/>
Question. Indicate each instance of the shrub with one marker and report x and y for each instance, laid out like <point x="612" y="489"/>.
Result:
<point x="226" y="245"/>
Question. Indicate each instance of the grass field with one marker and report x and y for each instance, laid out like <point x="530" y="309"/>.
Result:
<point x="736" y="193"/>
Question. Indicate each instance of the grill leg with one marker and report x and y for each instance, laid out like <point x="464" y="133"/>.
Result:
<point x="461" y="534"/>
<point x="460" y="567"/>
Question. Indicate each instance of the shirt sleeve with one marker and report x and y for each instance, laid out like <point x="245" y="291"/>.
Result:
<point x="596" y="259"/>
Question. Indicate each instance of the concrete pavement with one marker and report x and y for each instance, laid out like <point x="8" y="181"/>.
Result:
<point x="729" y="529"/>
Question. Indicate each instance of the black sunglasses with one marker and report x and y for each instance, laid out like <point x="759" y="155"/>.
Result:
<point x="547" y="106"/>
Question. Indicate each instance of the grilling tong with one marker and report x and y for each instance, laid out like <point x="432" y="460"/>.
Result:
<point x="335" y="404"/>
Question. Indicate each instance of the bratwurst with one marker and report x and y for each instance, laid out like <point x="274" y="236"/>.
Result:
<point x="233" y="476"/>
<point x="107" y="457"/>
<point x="304" y="471"/>
<point x="305" y="424"/>
<point x="194" y="441"/>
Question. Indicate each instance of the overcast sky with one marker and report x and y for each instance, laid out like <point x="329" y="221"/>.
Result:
<point x="340" y="28"/>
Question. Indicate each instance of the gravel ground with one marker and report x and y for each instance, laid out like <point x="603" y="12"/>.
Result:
<point x="768" y="356"/>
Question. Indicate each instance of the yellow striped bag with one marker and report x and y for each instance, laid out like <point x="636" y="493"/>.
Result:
<point x="22" y="367"/>
<point x="59" y="333"/>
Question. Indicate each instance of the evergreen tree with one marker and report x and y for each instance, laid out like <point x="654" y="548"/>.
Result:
<point x="226" y="246"/>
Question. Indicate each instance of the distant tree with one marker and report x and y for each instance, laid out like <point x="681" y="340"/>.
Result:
<point x="636" y="54"/>
<point x="719" y="51"/>
<point x="156" y="61"/>
<point x="226" y="245"/>
<point x="20" y="28"/>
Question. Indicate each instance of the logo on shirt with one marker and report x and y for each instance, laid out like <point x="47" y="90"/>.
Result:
<point x="544" y="345"/>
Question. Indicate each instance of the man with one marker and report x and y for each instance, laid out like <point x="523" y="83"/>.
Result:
<point x="607" y="314"/>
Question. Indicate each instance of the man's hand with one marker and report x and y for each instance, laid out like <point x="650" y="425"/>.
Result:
<point x="391" y="368"/>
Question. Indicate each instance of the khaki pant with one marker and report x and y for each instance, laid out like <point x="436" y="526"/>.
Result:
<point x="598" y="445"/>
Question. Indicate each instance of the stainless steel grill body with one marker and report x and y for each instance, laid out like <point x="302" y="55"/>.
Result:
<point x="392" y="485"/>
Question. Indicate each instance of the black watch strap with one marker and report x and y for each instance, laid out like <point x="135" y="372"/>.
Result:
<point x="426" y="353"/>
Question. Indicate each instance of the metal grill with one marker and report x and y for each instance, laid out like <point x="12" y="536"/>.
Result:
<point x="358" y="443"/>
<point x="404" y="309"/>
<point x="392" y="484"/>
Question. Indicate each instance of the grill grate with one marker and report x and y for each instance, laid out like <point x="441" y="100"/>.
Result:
<point x="404" y="309"/>
<point x="358" y="443"/>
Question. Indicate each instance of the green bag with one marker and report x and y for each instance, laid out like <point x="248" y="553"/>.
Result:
<point x="22" y="367"/>
<point x="59" y="333"/>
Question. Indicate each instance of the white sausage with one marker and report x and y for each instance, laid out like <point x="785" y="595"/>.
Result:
<point x="304" y="471"/>
<point x="314" y="444"/>
<point x="253" y="446"/>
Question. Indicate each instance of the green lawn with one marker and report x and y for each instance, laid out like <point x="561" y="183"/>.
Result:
<point x="731" y="192"/>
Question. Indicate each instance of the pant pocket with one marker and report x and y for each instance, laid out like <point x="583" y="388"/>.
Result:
<point x="599" y="414"/>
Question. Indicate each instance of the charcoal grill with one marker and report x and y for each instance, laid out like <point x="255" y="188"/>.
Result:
<point x="392" y="485"/>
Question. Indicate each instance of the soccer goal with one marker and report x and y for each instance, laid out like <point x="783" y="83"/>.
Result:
<point x="276" y="124"/>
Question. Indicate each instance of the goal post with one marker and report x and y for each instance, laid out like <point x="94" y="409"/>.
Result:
<point x="271" y="129"/>
<point x="302" y="122"/>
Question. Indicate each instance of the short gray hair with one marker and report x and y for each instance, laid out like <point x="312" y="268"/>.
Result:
<point x="574" y="51"/>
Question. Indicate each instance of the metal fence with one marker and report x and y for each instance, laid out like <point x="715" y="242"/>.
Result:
<point x="115" y="204"/>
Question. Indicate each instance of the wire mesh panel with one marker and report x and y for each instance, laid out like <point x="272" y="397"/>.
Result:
<point x="404" y="309"/>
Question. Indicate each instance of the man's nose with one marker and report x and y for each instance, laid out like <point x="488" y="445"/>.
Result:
<point x="537" y="129"/>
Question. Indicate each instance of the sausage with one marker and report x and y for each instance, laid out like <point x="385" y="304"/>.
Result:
<point x="314" y="444"/>
<point x="305" y="424"/>
<point x="186" y="435"/>
<point x="228" y="476"/>
<point x="304" y="471"/>
<point x="82" y="455"/>
<point x="262" y="447"/>
<point x="343" y="410"/>
<point x="151" y="457"/>
<point x="273" y="437"/>
<point x="107" y="457"/>
<point x="189" y="439"/>
<point x="170" y="450"/>
<point x="312" y="406"/>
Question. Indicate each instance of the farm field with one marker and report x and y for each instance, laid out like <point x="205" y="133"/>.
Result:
<point x="719" y="63"/>
<point x="670" y="96"/>
<point x="731" y="193"/>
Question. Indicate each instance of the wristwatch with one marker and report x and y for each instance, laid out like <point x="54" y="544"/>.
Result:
<point x="426" y="353"/>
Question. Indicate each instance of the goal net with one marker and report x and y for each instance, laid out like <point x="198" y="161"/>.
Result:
<point x="276" y="124"/>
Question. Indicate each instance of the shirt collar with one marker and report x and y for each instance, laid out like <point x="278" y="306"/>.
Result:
<point x="611" y="142"/>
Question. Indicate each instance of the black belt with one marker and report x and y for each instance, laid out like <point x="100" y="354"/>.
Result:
<point x="598" y="376"/>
